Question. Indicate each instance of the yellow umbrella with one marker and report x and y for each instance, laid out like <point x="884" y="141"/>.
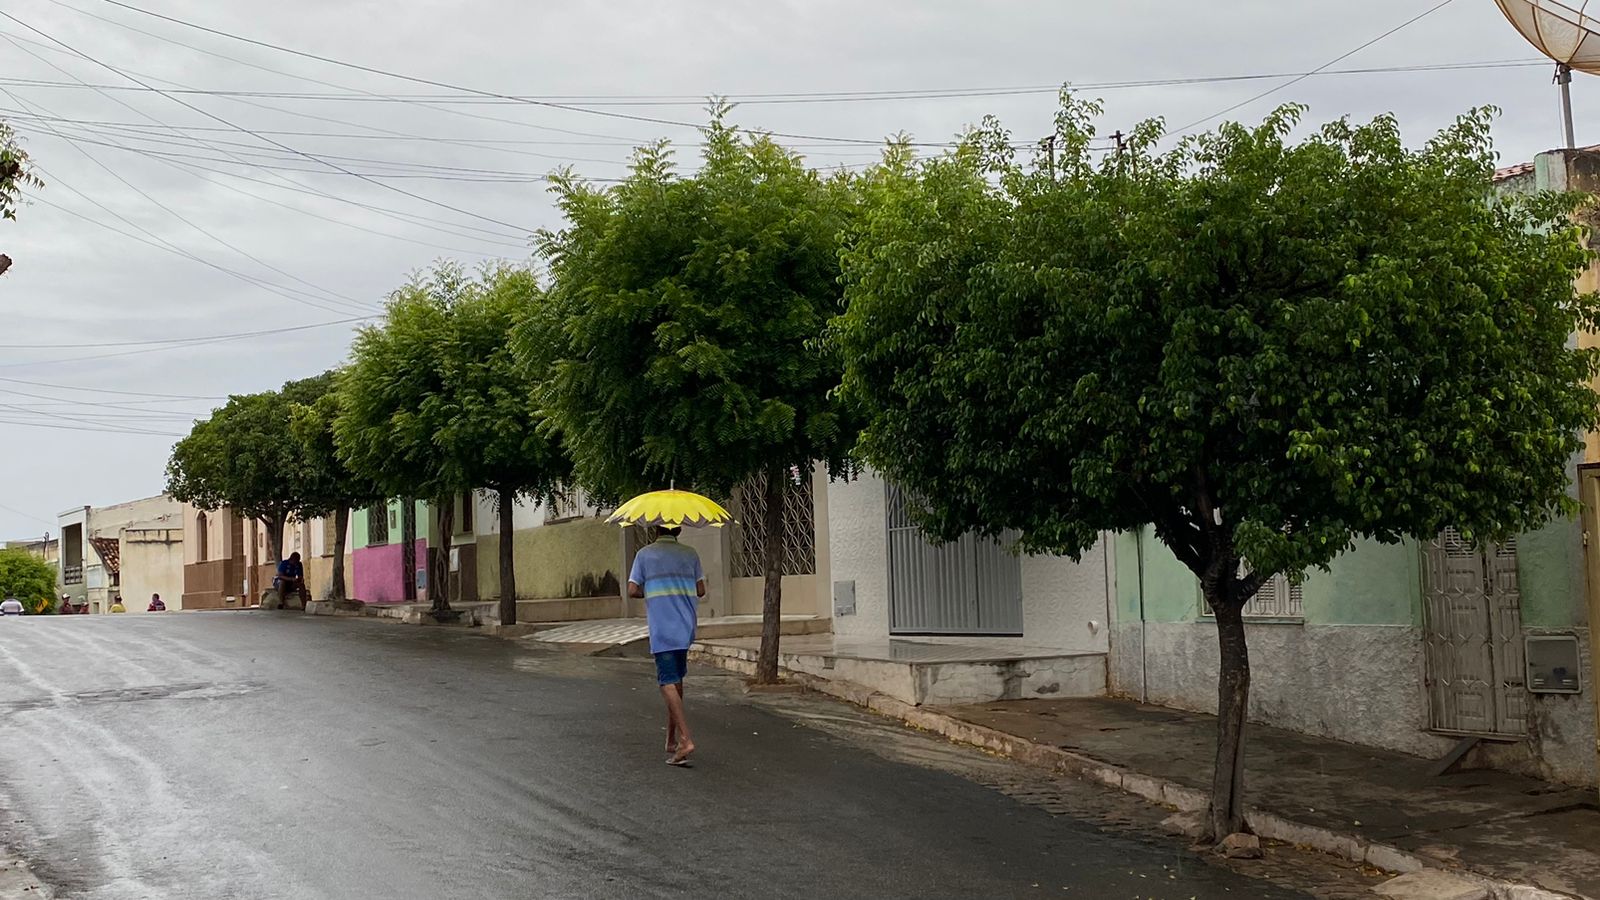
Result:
<point x="671" y="508"/>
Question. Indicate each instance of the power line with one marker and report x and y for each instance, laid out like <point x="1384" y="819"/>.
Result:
<point x="96" y="430"/>
<point x="307" y="78"/>
<point x="184" y="103"/>
<point x="333" y="296"/>
<point x="162" y="243"/>
<point x="435" y="101"/>
<point x="567" y="107"/>
<point x="1303" y="76"/>
<point x="112" y="429"/>
<point x="192" y="340"/>
<point x="106" y="390"/>
<point x="32" y="409"/>
<point x="15" y="511"/>
<point x="408" y="218"/>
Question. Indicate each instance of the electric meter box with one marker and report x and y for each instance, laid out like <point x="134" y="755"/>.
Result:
<point x="1553" y="664"/>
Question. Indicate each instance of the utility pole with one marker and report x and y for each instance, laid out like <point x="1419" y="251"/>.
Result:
<point x="1050" y="155"/>
<point x="1564" y="79"/>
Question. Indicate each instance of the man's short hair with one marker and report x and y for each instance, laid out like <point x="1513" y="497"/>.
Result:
<point x="295" y="555"/>
<point x="672" y="530"/>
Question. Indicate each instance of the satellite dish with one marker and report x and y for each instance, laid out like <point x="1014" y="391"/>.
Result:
<point x="1563" y="31"/>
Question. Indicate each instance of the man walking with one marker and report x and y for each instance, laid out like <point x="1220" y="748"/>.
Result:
<point x="668" y="577"/>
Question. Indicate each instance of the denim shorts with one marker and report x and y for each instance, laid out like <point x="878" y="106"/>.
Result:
<point x="671" y="666"/>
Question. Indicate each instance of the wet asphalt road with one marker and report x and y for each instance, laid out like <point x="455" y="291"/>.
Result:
<point x="269" y="755"/>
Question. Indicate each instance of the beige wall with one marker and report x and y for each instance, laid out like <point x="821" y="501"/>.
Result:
<point x="219" y="525"/>
<point x="574" y="558"/>
<point x="802" y="594"/>
<point x="152" y="562"/>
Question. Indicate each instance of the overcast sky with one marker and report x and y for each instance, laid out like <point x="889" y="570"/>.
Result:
<point x="266" y="247"/>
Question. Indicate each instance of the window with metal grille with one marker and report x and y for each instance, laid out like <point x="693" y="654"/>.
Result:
<point x="1277" y="599"/>
<point x="798" y="554"/>
<point x="330" y="534"/>
<point x="378" y="524"/>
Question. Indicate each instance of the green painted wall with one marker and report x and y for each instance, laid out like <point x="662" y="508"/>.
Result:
<point x="1372" y="584"/>
<point x="576" y="558"/>
<point x="1171" y="592"/>
<point x="358" y="524"/>
<point x="1550" y="576"/>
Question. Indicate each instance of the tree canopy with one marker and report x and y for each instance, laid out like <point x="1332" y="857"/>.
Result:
<point x="29" y="578"/>
<point x="435" y="403"/>
<point x="1264" y="349"/>
<point x="690" y="308"/>
<point x="245" y="456"/>
<point x="691" y="305"/>
<point x="16" y="172"/>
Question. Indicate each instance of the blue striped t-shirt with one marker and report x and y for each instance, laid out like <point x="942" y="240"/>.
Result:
<point x="668" y="572"/>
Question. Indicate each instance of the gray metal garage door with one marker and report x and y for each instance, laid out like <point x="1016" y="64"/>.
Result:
<point x="969" y="586"/>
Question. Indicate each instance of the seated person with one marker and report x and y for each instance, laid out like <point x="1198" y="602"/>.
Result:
<point x="291" y="578"/>
<point x="155" y="604"/>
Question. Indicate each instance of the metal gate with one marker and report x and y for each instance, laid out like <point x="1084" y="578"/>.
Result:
<point x="972" y="585"/>
<point x="1472" y="637"/>
<point x="408" y="548"/>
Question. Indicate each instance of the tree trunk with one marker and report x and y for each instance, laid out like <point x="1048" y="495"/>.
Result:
<point x="439" y="565"/>
<point x="1226" y="815"/>
<point x="508" y="570"/>
<point x="772" y="575"/>
<point x="275" y="525"/>
<point x="341" y="523"/>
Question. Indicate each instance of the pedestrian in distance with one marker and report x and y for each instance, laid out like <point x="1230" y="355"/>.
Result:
<point x="66" y="606"/>
<point x="668" y="577"/>
<point x="11" y="606"/>
<point x="116" y="605"/>
<point x="155" y="604"/>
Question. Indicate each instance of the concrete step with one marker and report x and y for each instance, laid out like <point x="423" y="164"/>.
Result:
<point x="925" y="673"/>
<point x="624" y="631"/>
<point x="577" y="609"/>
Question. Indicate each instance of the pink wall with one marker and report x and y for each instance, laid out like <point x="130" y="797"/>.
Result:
<point x="379" y="573"/>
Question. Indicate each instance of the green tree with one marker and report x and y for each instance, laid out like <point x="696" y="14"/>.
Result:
<point x="1263" y="349"/>
<point x="692" y="305"/>
<point x="436" y="405"/>
<point x="16" y="173"/>
<point x="28" y="578"/>
<point x="246" y="456"/>
<point x="329" y="486"/>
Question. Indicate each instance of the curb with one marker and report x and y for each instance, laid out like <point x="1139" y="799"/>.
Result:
<point x="1169" y="793"/>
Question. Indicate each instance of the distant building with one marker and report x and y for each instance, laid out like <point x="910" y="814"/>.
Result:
<point x="122" y="549"/>
<point x="46" y="548"/>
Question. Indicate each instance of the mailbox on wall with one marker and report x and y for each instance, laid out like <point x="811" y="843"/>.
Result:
<point x="1554" y="666"/>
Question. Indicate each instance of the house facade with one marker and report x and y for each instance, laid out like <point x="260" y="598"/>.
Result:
<point x="227" y="559"/>
<point x="108" y="551"/>
<point x="389" y="552"/>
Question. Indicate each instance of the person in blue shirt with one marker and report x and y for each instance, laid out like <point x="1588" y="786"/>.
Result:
<point x="668" y="577"/>
<point x="292" y="578"/>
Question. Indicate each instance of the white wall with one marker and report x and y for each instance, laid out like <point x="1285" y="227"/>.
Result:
<point x="858" y="551"/>
<point x="1064" y="604"/>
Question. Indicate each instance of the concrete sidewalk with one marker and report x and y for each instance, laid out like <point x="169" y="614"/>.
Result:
<point x="1505" y="827"/>
<point x="1518" y="838"/>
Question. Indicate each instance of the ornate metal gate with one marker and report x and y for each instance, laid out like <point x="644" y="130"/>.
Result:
<point x="1472" y="637"/>
<point x="972" y="585"/>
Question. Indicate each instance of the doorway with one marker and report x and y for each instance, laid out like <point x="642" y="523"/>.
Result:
<point x="970" y="586"/>
<point x="1472" y="637"/>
